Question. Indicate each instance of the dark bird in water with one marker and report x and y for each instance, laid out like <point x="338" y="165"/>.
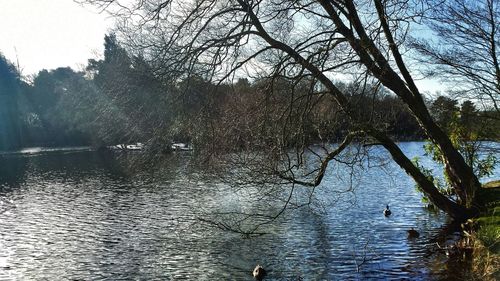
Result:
<point x="259" y="273"/>
<point x="387" y="212"/>
<point x="412" y="233"/>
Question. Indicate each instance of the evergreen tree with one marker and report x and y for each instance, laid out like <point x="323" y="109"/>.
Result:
<point x="9" y="111"/>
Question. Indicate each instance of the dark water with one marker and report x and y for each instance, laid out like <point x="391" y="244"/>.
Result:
<point x="87" y="216"/>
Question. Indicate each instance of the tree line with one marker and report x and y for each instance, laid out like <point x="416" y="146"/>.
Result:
<point x="114" y="100"/>
<point x="122" y="99"/>
<point x="306" y="45"/>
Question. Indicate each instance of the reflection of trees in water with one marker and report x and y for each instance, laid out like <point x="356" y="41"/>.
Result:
<point x="443" y="255"/>
<point x="14" y="168"/>
<point x="12" y="171"/>
<point x="12" y="175"/>
<point x="147" y="216"/>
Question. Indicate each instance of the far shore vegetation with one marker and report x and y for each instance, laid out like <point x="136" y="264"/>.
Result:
<point x="120" y="99"/>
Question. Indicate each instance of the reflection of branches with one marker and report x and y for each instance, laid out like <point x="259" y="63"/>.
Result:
<point x="270" y="180"/>
<point x="364" y="258"/>
<point x="236" y="226"/>
<point x="324" y="164"/>
<point x="264" y="194"/>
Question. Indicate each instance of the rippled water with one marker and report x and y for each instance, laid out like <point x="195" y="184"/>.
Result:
<point x="86" y="216"/>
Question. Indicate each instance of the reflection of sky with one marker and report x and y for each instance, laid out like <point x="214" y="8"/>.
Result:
<point x="85" y="215"/>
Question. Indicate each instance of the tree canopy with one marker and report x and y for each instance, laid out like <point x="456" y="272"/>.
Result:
<point x="10" y="85"/>
<point x="274" y="77"/>
<point x="308" y="44"/>
<point x="464" y="49"/>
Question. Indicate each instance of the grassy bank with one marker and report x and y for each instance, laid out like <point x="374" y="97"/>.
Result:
<point x="486" y="255"/>
<point x="489" y="221"/>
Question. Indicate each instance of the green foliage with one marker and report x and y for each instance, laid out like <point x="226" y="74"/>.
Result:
<point x="444" y="111"/>
<point x="53" y="106"/>
<point x="117" y="100"/>
<point x="465" y="129"/>
<point x="489" y="233"/>
<point x="9" y="77"/>
<point x="489" y="221"/>
<point x="10" y="85"/>
<point x="440" y="185"/>
<point x="133" y="93"/>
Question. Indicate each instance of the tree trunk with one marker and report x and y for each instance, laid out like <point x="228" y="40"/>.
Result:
<point x="460" y="175"/>
<point x="455" y="210"/>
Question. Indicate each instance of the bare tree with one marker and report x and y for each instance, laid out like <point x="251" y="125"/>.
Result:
<point x="464" y="51"/>
<point x="312" y="42"/>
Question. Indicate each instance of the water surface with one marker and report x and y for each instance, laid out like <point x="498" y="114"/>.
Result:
<point x="87" y="216"/>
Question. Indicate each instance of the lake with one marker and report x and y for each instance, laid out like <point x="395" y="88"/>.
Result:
<point x="88" y="215"/>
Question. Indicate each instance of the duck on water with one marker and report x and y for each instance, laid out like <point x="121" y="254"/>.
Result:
<point x="412" y="233"/>
<point x="387" y="212"/>
<point x="259" y="273"/>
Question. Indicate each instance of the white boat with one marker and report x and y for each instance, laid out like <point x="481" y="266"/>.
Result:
<point x="136" y="146"/>
<point x="181" y="147"/>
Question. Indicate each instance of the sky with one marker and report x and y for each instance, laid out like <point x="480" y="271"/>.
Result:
<point x="46" y="34"/>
